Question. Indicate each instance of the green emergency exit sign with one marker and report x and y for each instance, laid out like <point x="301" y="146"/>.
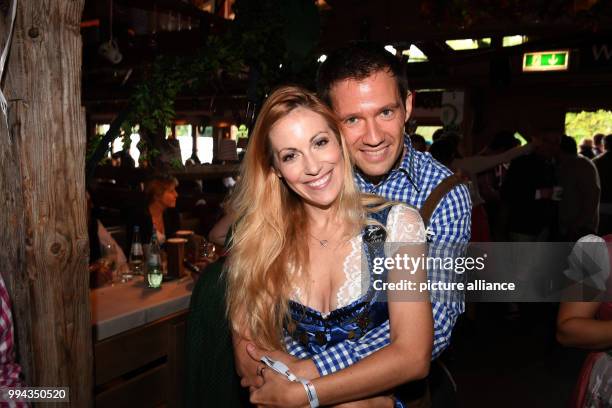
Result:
<point x="546" y="61"/>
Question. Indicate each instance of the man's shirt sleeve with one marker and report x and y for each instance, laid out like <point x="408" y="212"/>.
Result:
<point x="450" y="228"/>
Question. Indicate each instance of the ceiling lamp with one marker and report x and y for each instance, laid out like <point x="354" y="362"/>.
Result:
<point x="110" y="50"/>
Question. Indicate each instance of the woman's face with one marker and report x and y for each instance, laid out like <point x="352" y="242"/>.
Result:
<point x="168" y="198"/>
<point x="308" y="157"/>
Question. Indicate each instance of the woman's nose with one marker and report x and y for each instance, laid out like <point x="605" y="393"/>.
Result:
<point x="312" y="165"/>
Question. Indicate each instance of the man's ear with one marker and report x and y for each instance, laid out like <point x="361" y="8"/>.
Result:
<point x="409" y="105"/>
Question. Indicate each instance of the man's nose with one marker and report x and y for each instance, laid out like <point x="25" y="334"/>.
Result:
<point x="374" y="134"/>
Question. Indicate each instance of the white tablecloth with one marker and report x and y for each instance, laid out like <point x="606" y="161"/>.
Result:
<point x="124" y="306"/>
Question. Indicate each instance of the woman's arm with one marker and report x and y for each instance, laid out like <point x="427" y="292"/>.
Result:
<point x="577" y="326"/>
<point x="406" y="358"/>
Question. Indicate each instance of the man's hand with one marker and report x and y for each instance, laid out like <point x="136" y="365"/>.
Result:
<point x="302" y="368"/>
<point x="247" y="367"/>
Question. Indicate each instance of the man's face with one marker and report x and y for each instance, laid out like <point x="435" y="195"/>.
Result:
<point x="547" y="144"/>
<point x="372" y="118"/>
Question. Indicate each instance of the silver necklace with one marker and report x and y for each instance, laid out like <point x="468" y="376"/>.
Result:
<point x="323" y="242"/>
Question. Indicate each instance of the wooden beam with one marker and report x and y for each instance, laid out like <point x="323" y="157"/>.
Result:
<point x="43" y="241"/>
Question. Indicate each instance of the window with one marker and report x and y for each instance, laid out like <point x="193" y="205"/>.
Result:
<point x="584" y="125"/>
<point x="427" y="132"/>
<point x="183" y="135"/>
<point x="204" y="144"/>
<point x="117" y="144"/>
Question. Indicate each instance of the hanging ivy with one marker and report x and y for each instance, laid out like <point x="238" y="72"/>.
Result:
<point x="256" y="46"/>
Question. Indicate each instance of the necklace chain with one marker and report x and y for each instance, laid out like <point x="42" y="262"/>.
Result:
<point x="323" y="242"/>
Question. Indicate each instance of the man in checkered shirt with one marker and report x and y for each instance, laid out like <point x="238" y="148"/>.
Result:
<point x="366" y="88"/>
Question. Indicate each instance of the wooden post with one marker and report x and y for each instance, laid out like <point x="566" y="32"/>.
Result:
<point x="43" y="234"/>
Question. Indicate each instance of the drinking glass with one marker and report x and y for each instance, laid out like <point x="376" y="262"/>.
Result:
<point x="206" y="250"/>
<point x="108" y="262"/>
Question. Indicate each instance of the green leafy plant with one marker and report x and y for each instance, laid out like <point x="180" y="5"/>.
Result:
<point x="584" y="125"/>
<point x="254" y="47"/>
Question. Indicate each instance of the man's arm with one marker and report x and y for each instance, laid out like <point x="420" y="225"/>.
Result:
<point x="450" y="228"/>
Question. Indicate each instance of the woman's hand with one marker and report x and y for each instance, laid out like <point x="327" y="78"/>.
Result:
<point x="278" y="392"/>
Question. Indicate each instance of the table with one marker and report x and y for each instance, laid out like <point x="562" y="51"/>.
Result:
<point x="139" y="338"/>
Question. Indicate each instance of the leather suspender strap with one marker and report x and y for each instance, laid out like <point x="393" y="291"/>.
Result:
<point x="438" y="193"/>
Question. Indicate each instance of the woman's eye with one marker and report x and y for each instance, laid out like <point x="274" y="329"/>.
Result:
<point x="288" y="157"/>
<point x="321" y="142"/>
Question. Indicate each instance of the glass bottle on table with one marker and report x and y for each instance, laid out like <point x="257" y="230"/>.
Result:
<point x="136" y="254"/>
<point x="154" y="267"/>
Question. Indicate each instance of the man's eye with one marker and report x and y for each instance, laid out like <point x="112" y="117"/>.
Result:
<point x="350" y="121"/>
<point x="387" y="113"/>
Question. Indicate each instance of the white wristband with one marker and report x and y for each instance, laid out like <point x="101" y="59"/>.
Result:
<point x="282" y="369"/>
<point x="279" y="367"/>
<point x="311" y="393"/>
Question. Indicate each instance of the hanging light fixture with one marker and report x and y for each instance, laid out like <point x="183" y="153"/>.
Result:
<point x="110" y="50"/>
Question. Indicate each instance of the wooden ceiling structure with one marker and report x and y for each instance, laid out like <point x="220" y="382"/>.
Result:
<point x="570" y="24"/>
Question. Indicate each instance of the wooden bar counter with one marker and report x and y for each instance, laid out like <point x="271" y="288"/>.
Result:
<point x="139" y="338"/>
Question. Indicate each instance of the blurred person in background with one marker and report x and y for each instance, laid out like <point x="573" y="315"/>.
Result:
<point x="158" y="212"/>
<point x="445" y="150"/>
<point x="598" y="147"/>
<point x="603" y="162"/>
<point x="588" y="325"/>
<point x="490" y="182"/>
<point x="579" y="181"/>
<point x="586" y="148"/>
<point x="418" y="142"/>
<point x="530" y="191"/>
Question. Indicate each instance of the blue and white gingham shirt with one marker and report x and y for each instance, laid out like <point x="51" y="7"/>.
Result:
<point x="449" y="232"/>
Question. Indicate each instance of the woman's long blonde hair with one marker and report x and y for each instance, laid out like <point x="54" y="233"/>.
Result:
<point x="271" y="230"/>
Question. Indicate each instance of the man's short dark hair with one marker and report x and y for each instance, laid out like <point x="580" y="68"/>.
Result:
<point x="503" y="140"/>
<point x="568" y="145"/>
<point x="358" y="61"/>
<point x="598" y="138"/>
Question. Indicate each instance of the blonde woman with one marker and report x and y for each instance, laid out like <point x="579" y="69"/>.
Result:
<point x="295" y="277"/>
